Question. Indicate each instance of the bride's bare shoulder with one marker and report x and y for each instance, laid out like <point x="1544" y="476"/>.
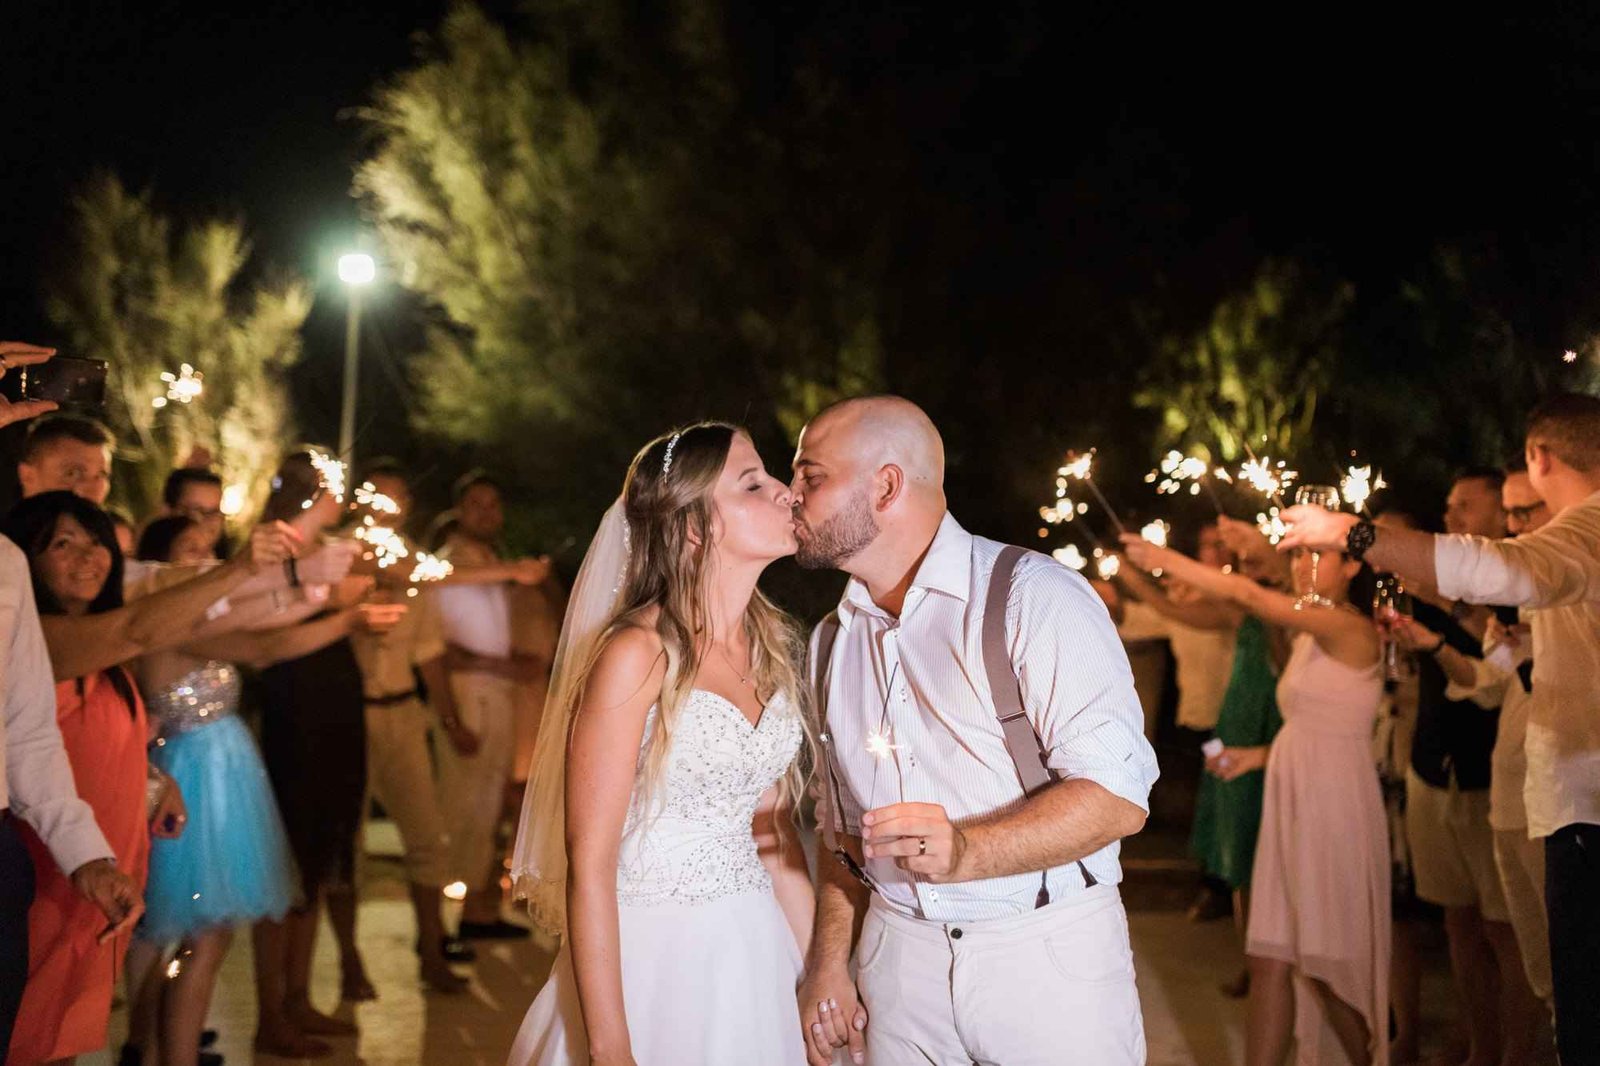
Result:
<point x="630" y="661"/>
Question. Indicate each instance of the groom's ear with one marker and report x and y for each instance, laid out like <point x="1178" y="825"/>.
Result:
<point x="890" y="485"/>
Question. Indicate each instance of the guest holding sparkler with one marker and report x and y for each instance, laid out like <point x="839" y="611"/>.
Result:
<point x="77" y="579"/>
<point x="313" y="739"/>
<point x="1318" y="938"/>
<point x="232" y="864"/>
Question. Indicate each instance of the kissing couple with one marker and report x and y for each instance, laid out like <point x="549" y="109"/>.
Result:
<point x="966" y="720"/>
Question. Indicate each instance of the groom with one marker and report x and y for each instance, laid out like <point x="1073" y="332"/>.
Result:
<point x="990" y="926"/>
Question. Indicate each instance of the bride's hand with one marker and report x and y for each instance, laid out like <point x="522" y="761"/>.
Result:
<point x="832" y="1017"/>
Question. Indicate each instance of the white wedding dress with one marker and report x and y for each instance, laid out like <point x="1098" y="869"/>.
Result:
<point x="709" y="964"/>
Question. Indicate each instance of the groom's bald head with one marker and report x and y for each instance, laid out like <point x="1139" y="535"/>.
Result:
<point x="868" y="471"/>
<point x="877" y="431"/>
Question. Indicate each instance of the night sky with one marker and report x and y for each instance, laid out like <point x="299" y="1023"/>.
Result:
<point x="1206" y="143"/>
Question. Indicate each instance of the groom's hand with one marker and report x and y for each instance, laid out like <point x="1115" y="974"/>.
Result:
<point x="919" y="837"/>
<point x="832" y="1016"/>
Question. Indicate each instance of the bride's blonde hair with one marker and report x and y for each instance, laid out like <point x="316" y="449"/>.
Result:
<point x="669" y="511"/>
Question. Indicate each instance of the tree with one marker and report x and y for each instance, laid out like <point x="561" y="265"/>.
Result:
<point x="1251" y="378"/>
<point x="150" y="299"/>
<point x="579" y="201"/>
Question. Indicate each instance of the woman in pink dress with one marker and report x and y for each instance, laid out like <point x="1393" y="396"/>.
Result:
<point x="1318" y="939"/>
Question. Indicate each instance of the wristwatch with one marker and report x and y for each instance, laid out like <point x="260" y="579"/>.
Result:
<point x="1359" y="539"/>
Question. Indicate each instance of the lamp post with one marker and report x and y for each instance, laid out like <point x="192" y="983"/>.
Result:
<point x="356" y="270"/>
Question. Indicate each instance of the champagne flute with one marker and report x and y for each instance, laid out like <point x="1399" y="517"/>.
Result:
<point x="1325" y="496"/>
<point x="1390" y="603"/>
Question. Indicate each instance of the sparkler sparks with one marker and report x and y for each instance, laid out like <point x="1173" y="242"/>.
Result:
<point x="1267" y="477"/>
<point x="1569" y="356"/>
<point x="369" y="497"/>
<point x="1070" y="556"/>
<point x="330" y="472"/>
<point x="431" y="568"/>
<point x="878" y="744"/>
<point x="182" y="387"/>
<point x="1156" y="533"/>
<point x="1358" y="485"/>
<point x="1108" y="566"/>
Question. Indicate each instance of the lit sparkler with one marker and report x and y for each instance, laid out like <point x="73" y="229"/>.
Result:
<point x="1070" y="556"/>
<point x="1081" y="468"/>
<point x="878" y="744"/>
<point x="1108" y="566"/>
<point x="1271" y="525"/>
<point x="330" y="472"/>
<point x="1156" y="533"/>
<point x="431" y="568"/>
<point x="1267" y="477"/>
<point x="369" y="497"/>
<point x="1569" y="356"/>
<point x="1358" y="485"/>
<point x="182" y="387"/>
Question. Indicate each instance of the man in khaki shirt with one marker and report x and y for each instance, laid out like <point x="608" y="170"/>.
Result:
<point x="399" y="760"/>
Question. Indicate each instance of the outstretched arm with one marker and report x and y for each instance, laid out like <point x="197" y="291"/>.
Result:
<point x="1205" y="613"/>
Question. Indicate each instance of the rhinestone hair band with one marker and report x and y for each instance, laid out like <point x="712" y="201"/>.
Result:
<point x="666" y="460"/>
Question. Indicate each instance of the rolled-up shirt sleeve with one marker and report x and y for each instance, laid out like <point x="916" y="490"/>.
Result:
<point x="1077" y="687"/>
<point x="38" y="775"/>
<point x="1554" y="566"/>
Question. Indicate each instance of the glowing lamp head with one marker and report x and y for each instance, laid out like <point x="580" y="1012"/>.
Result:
<point x="357" y="268"/>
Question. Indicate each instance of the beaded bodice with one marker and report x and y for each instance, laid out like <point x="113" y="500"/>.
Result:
<point x="693" y="843"/>
<point x="204" y="695"/>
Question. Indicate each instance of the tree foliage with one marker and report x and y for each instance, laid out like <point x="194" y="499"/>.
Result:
<point x="609" y="242"/>
<point x="148" y="297"/>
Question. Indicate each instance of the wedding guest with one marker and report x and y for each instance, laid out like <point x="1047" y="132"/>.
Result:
<point x="77" y="581"/>
<point x="67" y="452"/>
<point x="400" y="729"/>
<point x="313" y="740"/>
<point x="1519" y="860"/>
<point x="1555" y="569"/>
<point x="1228" y="808"/>
<point x="1319" y="922"/>
<point x="476" y="620"/>
<point x="232" y="864"/>
<point x="1201" y="634"/>
<point x="196" y="493"/>
<point x="36" y="784"/>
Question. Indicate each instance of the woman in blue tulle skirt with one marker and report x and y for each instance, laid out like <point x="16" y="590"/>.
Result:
<point x="232" y="863"/>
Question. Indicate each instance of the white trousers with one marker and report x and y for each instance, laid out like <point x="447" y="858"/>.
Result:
<point x="1051" y="986"/>
<point x="472" y="788"/>
<point x="1521" y="863"/>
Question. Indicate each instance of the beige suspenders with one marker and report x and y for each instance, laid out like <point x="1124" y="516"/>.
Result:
<point x="1026" y="749"/>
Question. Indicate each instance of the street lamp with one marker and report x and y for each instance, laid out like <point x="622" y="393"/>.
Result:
<point x="356" y="270"/>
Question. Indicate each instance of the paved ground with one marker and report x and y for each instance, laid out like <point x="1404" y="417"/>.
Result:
<point x="1188" y="1021"/>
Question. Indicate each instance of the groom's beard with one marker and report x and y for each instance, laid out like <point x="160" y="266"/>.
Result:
<point x="830" y="545"/>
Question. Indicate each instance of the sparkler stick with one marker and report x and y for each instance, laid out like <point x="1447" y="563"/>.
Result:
<point x="1081" y="468"/>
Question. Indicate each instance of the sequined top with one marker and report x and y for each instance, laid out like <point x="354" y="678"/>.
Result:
<point x="202" y="696"/>
<point x="694" y="844"/>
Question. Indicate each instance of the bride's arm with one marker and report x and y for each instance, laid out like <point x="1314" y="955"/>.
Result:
<point x="601" y="758"/>
<point x="778" y="843"/>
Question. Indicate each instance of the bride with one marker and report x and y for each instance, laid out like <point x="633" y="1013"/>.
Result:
<point x="658" y="836"/>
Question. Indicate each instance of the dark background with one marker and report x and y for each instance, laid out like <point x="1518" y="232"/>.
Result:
<point x="1065" y="166"/>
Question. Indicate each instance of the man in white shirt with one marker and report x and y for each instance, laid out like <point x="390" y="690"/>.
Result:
<point x="994" y="931"/>
<point x="36" y="784"/>
<point x="1556" y="569"/>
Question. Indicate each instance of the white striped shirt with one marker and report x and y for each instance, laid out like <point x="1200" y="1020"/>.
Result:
<point x="920" y="681"/>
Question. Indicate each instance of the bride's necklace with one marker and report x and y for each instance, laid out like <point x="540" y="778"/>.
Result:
<point x="742" y="675"/>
